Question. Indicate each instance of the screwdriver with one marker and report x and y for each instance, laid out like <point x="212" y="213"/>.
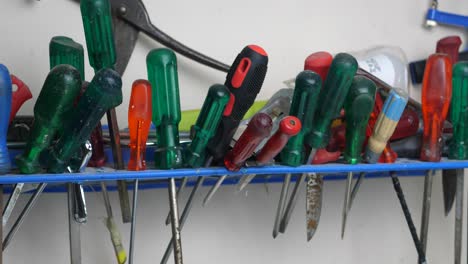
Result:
<point x="288" y="127"/>
<point x="378" y="142"/>
<point x="18" y="97"/>
<point x="306" y="91"/>
<point x="139" y="121"/>
<point x="97" y="24"/>
<point x="5" y="108"/>
<point x="53" y="106"/>
<point x="358" y="107"/>
<point x="458" y="148"/>
<point x="258" y="129"/>
<point x="276" y="107"/>
<point x="449" y="45"/>
<point x="331" y="99"/>
<point x="436" y="94"/>
<point x="215" y="101"/>
<point x="244" y="80"/>
<point x="204" y="129"/>
<point x="162" y="74"/>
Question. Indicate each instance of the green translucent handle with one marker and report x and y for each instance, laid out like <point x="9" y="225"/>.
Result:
<point x="97" y="23"/>
<point x="358" y="106"/>
<point x="332" y="96"/>
<point x="53" y="106"/>
<point x="303" y="106"/>
<point x="103" y="93"/>
<point x="162" y="74"/>
<point x="207" y="123"/>
<point x="458" y="148"/>
<point x="63" y="50"/>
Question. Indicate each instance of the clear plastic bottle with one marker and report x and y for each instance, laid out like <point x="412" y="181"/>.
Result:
<point x="388" y="63"/>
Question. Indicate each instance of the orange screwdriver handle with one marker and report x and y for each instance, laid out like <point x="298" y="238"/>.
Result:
<point x="436" y="95"/>
<point x="21" y="95"/>
<point x="288" y="127"/>
<point x="139" y="121"/>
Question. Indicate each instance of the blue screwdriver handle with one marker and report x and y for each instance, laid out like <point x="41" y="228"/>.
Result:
<point x="5" y="108"/>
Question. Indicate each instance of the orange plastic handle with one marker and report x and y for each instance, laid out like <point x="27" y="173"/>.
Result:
<point x="139" y="121"/>
<point x="436" y="95"/>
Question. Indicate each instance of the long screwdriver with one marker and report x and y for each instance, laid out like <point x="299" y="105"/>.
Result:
<point x="5" y="108"/>
<point x="162" y="74"/>
<point x="306" y="92"/>
<point x="382" y="131"/>
<point x="53" y="105"/>
<point x="194" y="155"/>
<point x="436" y="94"/>
<point x="97" y="24"/>
<point x="288" y="127"/>
<point x="330" y="102"/>
<point x="458" y="148"/>
<point x="358" y="107"/>
<point x="244" y="81"/>
<point x="318" y="62"/>
<point x="449" y="45"/>
<point x="139" y="121"/>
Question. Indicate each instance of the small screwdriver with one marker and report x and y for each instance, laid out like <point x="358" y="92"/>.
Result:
<point x="330" y="102"/>
<point x="259" y="128"/>
<point x="19" y="97"/>
<point x="53" y="106"/>
<point x="458" y="148"/>
<point x="97" y="24"/>
<point x="358" y="106"/>
<point x="139" y="121"/>
<point x="306" y="91"/>
<point x="289" y="126"/>
<point x="162" y="74"/>
<point x="436" y="94"/>
<point x="194" y="155"/>
<point x="5" y="108"/>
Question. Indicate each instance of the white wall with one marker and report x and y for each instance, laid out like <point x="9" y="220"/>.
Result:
<point x="236" y="229"/>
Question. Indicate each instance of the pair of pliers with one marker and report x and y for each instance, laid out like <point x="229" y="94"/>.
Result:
<point x="129" y="18"/>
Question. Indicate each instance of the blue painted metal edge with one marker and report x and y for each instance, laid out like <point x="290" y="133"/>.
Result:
<point x="107" y="174"/>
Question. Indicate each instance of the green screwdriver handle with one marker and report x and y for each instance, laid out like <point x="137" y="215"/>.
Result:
<point x="206" y="125"/>
<point x="304" y="102"/>
<point x="332" y="97"/>
<point x="63" y="50"/>
<point x="162" y="74"/>
<point x="53" y="106"/>
<point x="103" y="93"/>
<point x="458" y="148"/>
<point x="97" y="23"/>
<point x="358" y="106"/>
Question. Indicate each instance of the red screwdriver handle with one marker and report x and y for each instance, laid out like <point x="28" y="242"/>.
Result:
<point x="450" y="46"/>
<point x="436" y="95"/>
<point x="388" y="155"/>
<point x="319" y="62"/>
<point x="21" y="95"/>
<point x="288" y="127"/>
<point x="259" y="128"/>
